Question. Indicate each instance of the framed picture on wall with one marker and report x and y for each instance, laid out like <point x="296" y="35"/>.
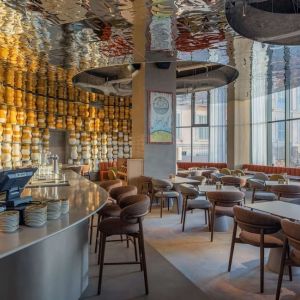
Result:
<point x="160" y="118"/>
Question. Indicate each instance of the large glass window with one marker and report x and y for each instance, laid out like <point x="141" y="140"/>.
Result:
<point x="201" y="126"/>
<point x="275" y="90"/>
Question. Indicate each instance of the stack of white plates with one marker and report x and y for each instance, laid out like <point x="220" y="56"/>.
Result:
<point x="35" y="215"/>
<point x="64" y="206"/>
<point x="9" y="221"/>
<point x="53" y="209"/>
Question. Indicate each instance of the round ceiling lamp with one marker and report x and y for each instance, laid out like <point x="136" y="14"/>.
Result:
<point x="266" y="21"/>
<point x="191" y="76"/>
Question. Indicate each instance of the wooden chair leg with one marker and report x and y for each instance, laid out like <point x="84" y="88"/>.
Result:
<point x="168" y="199"/>
<point x="177" y="198"/>
<point x="184" y="217"/>
<point x="161" y="206"/>
<point x="232" y="246"/>
<point x="282" y="264"/>
<point x="91" y="229"/>
<point x="135" y="249"/>
<point x="183" y="208"/>
<point x="102" y="248"/>
<point x="205" y="216"/>
<point x="212" y="223"/>
<point x="289" y="266"/>
<point x="262" y="262"/>
<point x="209" y="219"/>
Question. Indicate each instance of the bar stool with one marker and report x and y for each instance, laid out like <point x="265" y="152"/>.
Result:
<point x="222" y="205"/>
<point x="292" y="240"/>
<point x="108" y="186"/>
<point x="162" y="191"/>
<point x="113" y="210"/>
<point x="257" y="230"/>
<point x="191" y="201"/>
<point x="129" y="223"/>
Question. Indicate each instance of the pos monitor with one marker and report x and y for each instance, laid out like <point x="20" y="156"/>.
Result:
<point x="12" y="182"/>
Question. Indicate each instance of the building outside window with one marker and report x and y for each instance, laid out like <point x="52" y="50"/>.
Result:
<point x="201" y="126"/>
<point x="275" y="105"/>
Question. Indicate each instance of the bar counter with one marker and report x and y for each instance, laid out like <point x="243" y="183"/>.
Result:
<point x="51" y="262"/>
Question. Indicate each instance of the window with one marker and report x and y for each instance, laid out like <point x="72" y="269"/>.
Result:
<point x="275" y="105"/>
<point x="201" y="126"/>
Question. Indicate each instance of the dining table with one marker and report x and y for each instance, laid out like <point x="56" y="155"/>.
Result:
<point x="281" y="209"/>
<point x="270" y="183"/>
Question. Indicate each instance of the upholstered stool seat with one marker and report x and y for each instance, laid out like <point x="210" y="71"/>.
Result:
<point x="115" y="226"/>
<point x="111" y="210"/>
<point x="108" y="185"/>
<point x="169" y="194"/>
<point x="270" y="241"/>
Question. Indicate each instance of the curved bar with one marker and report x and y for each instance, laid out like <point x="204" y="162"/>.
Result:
<point x="51" y="262"/>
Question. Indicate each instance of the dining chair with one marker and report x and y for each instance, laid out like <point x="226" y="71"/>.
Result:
<point x="162" y="190"/>
<point x="225" y="171"/>
<point x="222" y="205"/>
<point x="259" y="191"/>
<point x="257" y="229"/>
<point x="276" y="177"/>
<point x="191" y="200"/>
<point x="145" y="185"/>
<point x="238" y="172"/>
<point x="237" y="182"/>
<point x="129" y="223"/>
<point x="287" y="191"/>
<point x="216" y="177"/>
<point x="207" y="174"/>
<point x="261" y="176"/>
<point x="291" y="250"/>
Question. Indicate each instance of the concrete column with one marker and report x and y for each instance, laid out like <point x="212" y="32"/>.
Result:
<point x="159" y="159"/>
<point x="239" y="105"/>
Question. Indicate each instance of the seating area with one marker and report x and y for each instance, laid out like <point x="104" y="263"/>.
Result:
<point x="150" y="149"/>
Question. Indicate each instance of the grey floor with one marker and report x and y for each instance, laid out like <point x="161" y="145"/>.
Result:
<point x="186" y="265"/>
<point x="126" y="282"/>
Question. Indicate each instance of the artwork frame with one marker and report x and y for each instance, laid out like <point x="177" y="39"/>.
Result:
<point x="160" y="117"/>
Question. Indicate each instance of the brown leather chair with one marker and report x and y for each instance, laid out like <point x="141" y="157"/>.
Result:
<point x="288" y="191"/>
<point x="259" y="191"/>
<point x="108" y="185"/>
<point x="114" y="210"/>
<point x="257" y="230"/>
<point x="207" y="174"/>
<point x="129" y="223"/>
<point x="291" y="241"/>
<point x="225" y="171"/>
<point x="275" y="177"/>
<point x="222" y="205"/>
<point x="162" y="190"/>
<point x="191" y="201"/>
<point x="145" y="185"/>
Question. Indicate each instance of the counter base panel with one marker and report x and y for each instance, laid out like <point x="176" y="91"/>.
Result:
<point x="55" y="268"/>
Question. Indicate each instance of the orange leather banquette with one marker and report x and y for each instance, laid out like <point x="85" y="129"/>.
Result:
<point x="272" y="170"/>
<point x="187" y="165"/>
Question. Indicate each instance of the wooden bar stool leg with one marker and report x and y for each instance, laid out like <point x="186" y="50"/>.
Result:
<point x="102" y="248"/>
<point x="141" y="237"/>
<point x="91" y="228"/>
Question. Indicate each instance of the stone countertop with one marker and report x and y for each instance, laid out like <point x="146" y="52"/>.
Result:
<point x="85" y="198"/>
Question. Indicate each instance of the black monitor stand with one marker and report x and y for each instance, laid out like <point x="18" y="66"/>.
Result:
<point x="14" y="199"/>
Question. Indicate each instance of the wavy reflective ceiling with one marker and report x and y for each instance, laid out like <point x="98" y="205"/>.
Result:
<point x="76" y="35"/>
